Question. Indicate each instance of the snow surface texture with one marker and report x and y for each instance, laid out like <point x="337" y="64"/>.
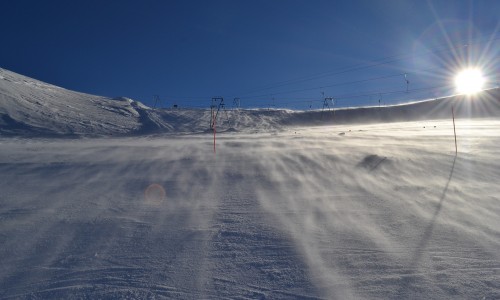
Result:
<point x="31" y="107"/>
<point x="347" y="211"/>
<point x="384" y="211"/>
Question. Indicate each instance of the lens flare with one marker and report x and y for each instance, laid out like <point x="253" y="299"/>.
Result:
<point x="469" y="81"/>
<point x="155" y="194"/>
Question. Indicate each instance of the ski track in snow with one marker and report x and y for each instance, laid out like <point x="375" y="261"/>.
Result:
<point x="381" y="212"/>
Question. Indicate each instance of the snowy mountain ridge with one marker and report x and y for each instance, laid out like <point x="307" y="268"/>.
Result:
<point x="32" y="107"/>
<point x="29" y="107"/>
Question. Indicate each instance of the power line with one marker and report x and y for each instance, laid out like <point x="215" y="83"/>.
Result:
<point x="325" y="86"/>
<point x="371" y="93"/>
<point x="345" y="83"/>
<point x="371" y="64"/>
<point x="367" y="65"/>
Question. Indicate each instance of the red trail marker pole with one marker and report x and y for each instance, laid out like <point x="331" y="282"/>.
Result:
<point x="454" y="130"/>
<point x="215" y="122"/>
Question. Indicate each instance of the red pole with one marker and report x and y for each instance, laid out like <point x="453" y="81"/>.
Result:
<point x="215" y="122"/>
<point x="454" y="130"/>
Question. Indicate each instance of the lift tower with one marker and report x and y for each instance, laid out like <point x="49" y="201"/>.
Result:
<point x="157" y="101"/>
<point x="215" y="108"/>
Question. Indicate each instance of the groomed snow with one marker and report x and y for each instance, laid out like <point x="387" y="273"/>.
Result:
<point x="381" y="211"/>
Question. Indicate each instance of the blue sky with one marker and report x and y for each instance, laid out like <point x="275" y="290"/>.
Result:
<point x="189" y="51"/>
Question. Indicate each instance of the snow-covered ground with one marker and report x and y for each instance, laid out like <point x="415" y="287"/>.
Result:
<point x="31" y="107"/>
<point x="350" y="211"/>
<point x="285" y="209"/>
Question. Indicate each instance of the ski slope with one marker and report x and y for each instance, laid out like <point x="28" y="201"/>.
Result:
<point x="285" y="209"/>
<point x="29" y="107"/>
<point x="34" y="108"/>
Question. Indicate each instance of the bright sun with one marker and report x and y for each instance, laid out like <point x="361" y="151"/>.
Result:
<point x="469" y="81"/>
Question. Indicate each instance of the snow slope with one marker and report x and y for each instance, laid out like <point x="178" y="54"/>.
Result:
<point x="382" y="211"/>
<point x="32" y="108"/>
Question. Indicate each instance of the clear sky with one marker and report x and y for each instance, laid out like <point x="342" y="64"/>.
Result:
<point x="189" y="51"/>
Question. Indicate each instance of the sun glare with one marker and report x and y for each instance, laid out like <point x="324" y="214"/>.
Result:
<point x="469" y="81"/>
